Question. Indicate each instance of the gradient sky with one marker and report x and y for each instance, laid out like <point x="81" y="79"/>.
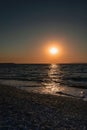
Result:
<point x="29" y="27"/>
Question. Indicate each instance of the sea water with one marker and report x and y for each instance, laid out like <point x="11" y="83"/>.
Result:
<point x="59" y="79"/>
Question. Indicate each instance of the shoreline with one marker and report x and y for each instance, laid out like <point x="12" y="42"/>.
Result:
<point x="22" y="109"/>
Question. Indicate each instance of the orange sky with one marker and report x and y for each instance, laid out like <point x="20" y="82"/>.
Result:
<point x="41" y="54"/>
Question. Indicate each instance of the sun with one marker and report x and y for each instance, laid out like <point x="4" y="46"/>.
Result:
<point x="53" y="50"/>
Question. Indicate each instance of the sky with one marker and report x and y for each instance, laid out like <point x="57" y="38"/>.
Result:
<point x="28" y="28"/>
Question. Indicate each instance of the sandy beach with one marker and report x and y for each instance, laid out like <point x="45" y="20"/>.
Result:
<point x="20" y="110"/>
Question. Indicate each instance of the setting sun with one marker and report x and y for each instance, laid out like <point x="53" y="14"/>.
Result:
<point x="53" y="50"/>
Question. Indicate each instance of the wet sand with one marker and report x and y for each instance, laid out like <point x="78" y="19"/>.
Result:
<point x="20" y="110"/>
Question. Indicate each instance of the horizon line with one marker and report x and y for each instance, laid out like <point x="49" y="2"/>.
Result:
<point x="45" y="63"/>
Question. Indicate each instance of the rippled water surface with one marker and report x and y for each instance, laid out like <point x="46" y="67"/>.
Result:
<point x="68" y="79"/>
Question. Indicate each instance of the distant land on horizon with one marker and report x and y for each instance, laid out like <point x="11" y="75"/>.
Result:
<point x="37" y="63"/>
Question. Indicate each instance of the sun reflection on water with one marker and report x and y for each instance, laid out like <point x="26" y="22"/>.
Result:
<point x="53" y="85"/>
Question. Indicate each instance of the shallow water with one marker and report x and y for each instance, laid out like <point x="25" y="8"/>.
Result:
<point x="67" y="79"/>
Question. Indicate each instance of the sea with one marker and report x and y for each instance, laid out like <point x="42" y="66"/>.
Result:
<point x="55" y="79"/>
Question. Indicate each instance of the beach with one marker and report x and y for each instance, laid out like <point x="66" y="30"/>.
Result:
<point x="21" y="110"/>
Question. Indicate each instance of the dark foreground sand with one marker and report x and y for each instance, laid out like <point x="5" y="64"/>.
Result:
<point x="20" y="110"/>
